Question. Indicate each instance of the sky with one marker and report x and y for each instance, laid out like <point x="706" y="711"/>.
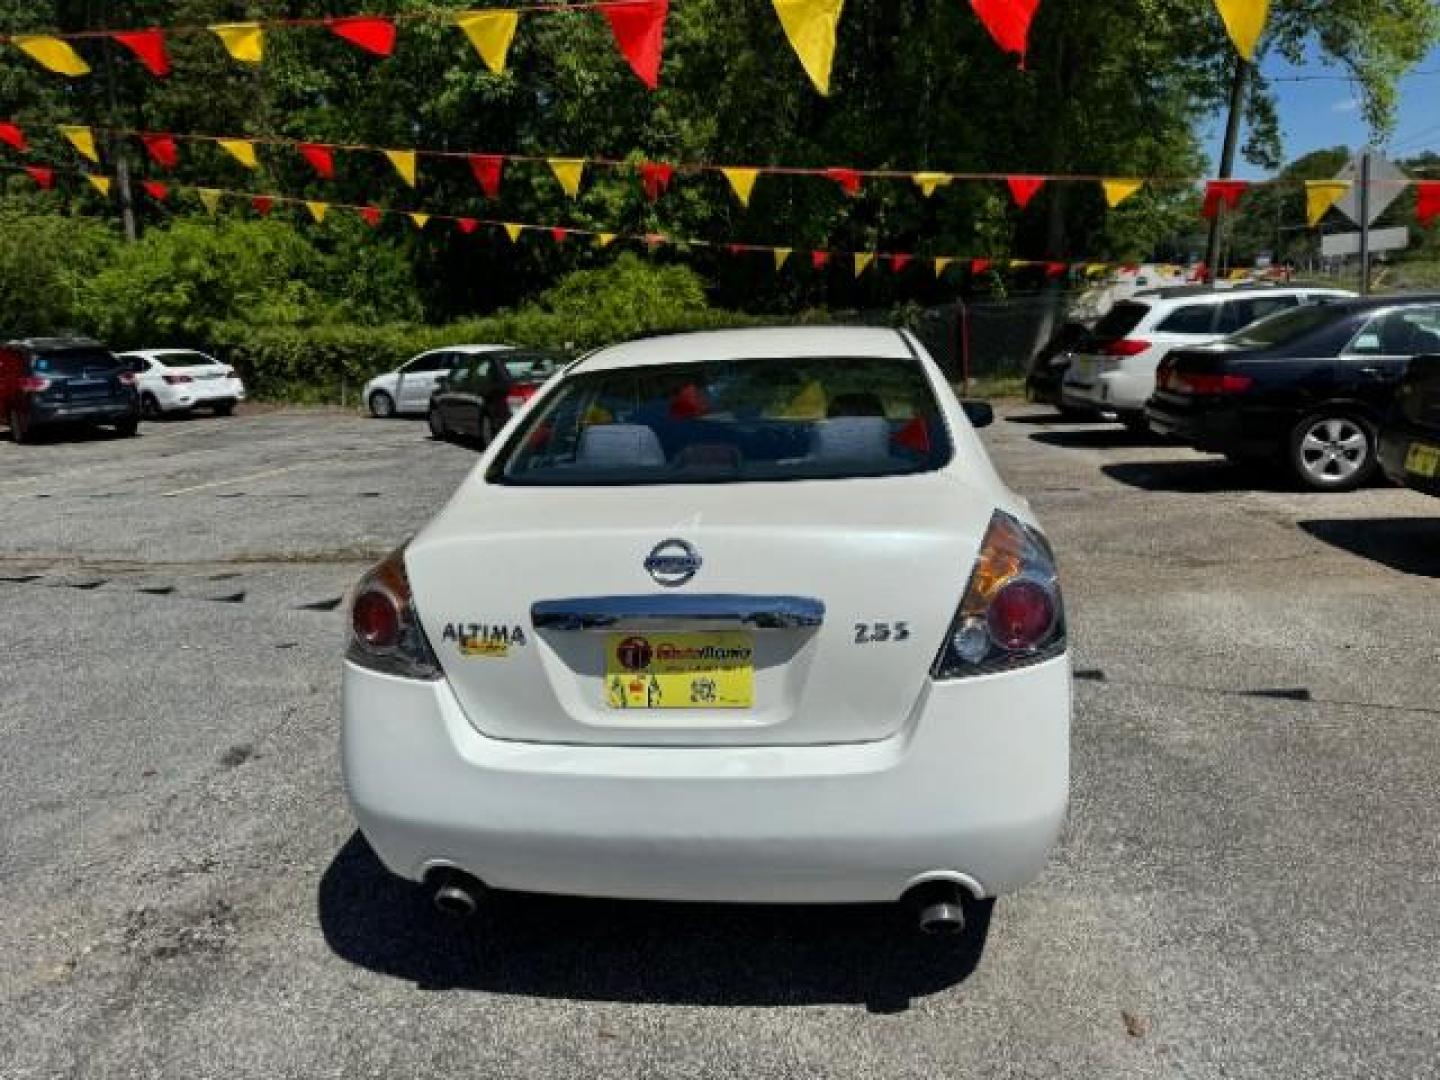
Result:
<point x="1317" y="113"/>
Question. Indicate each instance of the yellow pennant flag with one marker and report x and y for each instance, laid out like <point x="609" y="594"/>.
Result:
<point x="405" y="164"/>
<point x="100" y="184"/>
<point x="863" y="259"/>
<point x="810" y="25"/>
<point x="209" y="198"/>
<point x="569" y="172"/>
<point x="491" y="32"/>
<point x="604" y="239"/>
<point x="83" y="139"/>
<point x="52" y="54"/>
<point x="318" y="210"/>
<point x="929" y="181"/>
<point x="243" y="41"/>
<point x="742" y="182"/>
<point x="1321" y="195"/>
<point x="1245" y="20"/>
<point x="782" y="255"/>
<point x="1117" y="191"/>
<point x="941" y="265"/>
<point x="420" y="220"/>
<point x="242" y="150"/>
<point x="513" y="231"/>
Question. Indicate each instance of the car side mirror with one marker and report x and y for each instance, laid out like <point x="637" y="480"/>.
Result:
<point x="980" y="413"/>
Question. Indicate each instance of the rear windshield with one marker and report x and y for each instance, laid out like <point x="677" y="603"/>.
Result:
<point x="1120" y="320"/>
<point x="184" y="359"/>
<point x="74" y="362"/>
<point x="1285" y="327"/>
<point x="532" y="367"/>
<point x="732" y="421"/>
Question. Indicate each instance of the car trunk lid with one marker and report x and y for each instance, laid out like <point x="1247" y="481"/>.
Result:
<point x="811" y="616"/>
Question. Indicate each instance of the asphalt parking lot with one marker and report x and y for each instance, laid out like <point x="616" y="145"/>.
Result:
<point x="1248" y="885"/>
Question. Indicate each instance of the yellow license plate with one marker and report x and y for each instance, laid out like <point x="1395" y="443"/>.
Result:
<point x="1423" y="460"/>
<point x="680" y="671"/>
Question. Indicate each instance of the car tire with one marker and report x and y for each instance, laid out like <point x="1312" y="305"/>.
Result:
<point x="1135" y="423"/>
<point x="437" y="426"/>
<point x="126" y="429"/>
<point x="20" y="429"/>
<point x="150" y="407"/>
<point x="1333" y="451"/>
<point x="382" y="405"/>
<point x="225" y="408"/>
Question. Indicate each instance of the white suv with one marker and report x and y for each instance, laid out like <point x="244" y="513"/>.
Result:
<point x="1115" y="370"/>
<point x="406" y="390"/>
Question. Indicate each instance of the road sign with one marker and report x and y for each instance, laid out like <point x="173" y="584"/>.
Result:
<point x="1338" y="244"/>
<point x="1387" y="183"/>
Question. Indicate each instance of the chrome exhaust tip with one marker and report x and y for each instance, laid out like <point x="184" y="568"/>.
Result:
<point x="940" y="908"/>
<point x="456" y="894"/>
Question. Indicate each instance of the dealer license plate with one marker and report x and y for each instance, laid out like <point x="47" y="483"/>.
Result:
<point x="680" y="671"/>
<point x="1423" y="460"/>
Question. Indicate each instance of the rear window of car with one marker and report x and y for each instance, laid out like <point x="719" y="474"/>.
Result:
<point x="531" y="367"/>
<point x="1191" y="319"/>
<point x="74" y="362"/>
<point x="732" y="421"/>
<point x="184" y="359"/>
<point x="1285" y="327"/>
<point x="1120" y="320"/>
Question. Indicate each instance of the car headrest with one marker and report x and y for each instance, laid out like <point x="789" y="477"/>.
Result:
<point x="852" y="438"/>
<point x="620" y="446"/>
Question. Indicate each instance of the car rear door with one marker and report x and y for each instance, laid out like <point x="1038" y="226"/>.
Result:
<point x="1373" y="364"/>
<point x="418" y="378"/>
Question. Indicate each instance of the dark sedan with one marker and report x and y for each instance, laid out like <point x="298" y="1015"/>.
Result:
<point x="1410" y="443"/>
<point x="1310" y="387"/>
<point x="476" y="399"/>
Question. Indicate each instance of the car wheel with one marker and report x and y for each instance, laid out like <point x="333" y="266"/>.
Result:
<point x="1333" y="452"/>
<point x="127" y="428"/>
<point x="149" y="407"/>
<point x="20" y="429"/>
<point x="437" y="425"/>
<point x="382" y="405"/>
<point x="225" y="408"/>
<point x="1135" y="423"/>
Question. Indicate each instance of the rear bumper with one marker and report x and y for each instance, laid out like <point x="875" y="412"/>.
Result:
<point x="201" y="395"/>
<point x="975" y="788"/>
<point x="1116" y="391"/>
<point x="1395" y="443"/>
<point x="107" y="411"/>
<point x="1209" y="430"/>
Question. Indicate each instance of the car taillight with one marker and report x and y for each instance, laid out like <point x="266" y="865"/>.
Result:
<point x="127" y="378"/>
<point x="1188" y="383"/>
<point x="518" y="396"/>
<point x="1012" y="614"/>
<point x="385" y="631"/>
<point x="34" y="384"/>
<point x="1124" y="347"/>
<point x="176" y="380"/>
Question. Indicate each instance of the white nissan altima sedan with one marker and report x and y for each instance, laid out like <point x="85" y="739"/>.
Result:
<point x="741" y="616"/>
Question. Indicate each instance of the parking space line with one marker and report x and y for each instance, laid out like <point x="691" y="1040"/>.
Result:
<point x="237" y="480"/>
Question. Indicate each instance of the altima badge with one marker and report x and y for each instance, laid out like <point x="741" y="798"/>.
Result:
<point x="673" y="563"/>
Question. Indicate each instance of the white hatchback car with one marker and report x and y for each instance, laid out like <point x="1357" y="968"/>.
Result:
<point x="406" y="390"/>
<point x="182" y="380"/>
<point x="1116" y="371"/>
<point x="742" y="616"/>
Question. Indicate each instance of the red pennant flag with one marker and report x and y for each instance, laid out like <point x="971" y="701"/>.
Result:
<point x="487" y="169"/>
<point x="42" y="176"/>
<point x="848" y="179"/>
<point x="819" y="259"/>
<point x="149" y="47"/>
<point x="11" y="135"/>
<point x="655" y="239"/>
<point x="467" y="225"/>
<point x="558" y="234"/>
<point x="263" y="204"/>
<point x="371" y="215"/>
<point x="639" y="29"/>
<point x="162" y="149"/>
<point x="656" y="179"/>
<point x="1427" y="202"/>
<point x="899" y="262"/>
<point x="1023" y="188"/>
<point x="374" y="35"/>
<point x="1008" y="22"/>
<point x="979" y="266"/>
<point x="735" y="249"/>
<point x="1055" y="269"/>
<point x="1227" y="192"/>
<point x="156" y="190"/>
<point x="321" y="159"/>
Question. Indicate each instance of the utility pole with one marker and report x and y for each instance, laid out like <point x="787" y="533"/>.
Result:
<point x="1365" y="222"/>
<point x="1227" y="158"/>
<point x="116" y="147"/>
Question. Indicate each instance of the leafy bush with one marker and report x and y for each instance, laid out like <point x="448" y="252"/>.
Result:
<point x="45" y="262"/>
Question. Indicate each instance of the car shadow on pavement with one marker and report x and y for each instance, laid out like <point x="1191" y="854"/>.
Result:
<point x="1409" y="545"/>
<point x="622" y="951"/>
<point x="1100" y="438"/>
<point x="1209" y="476"/>
<point x="1052" y="417"/>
